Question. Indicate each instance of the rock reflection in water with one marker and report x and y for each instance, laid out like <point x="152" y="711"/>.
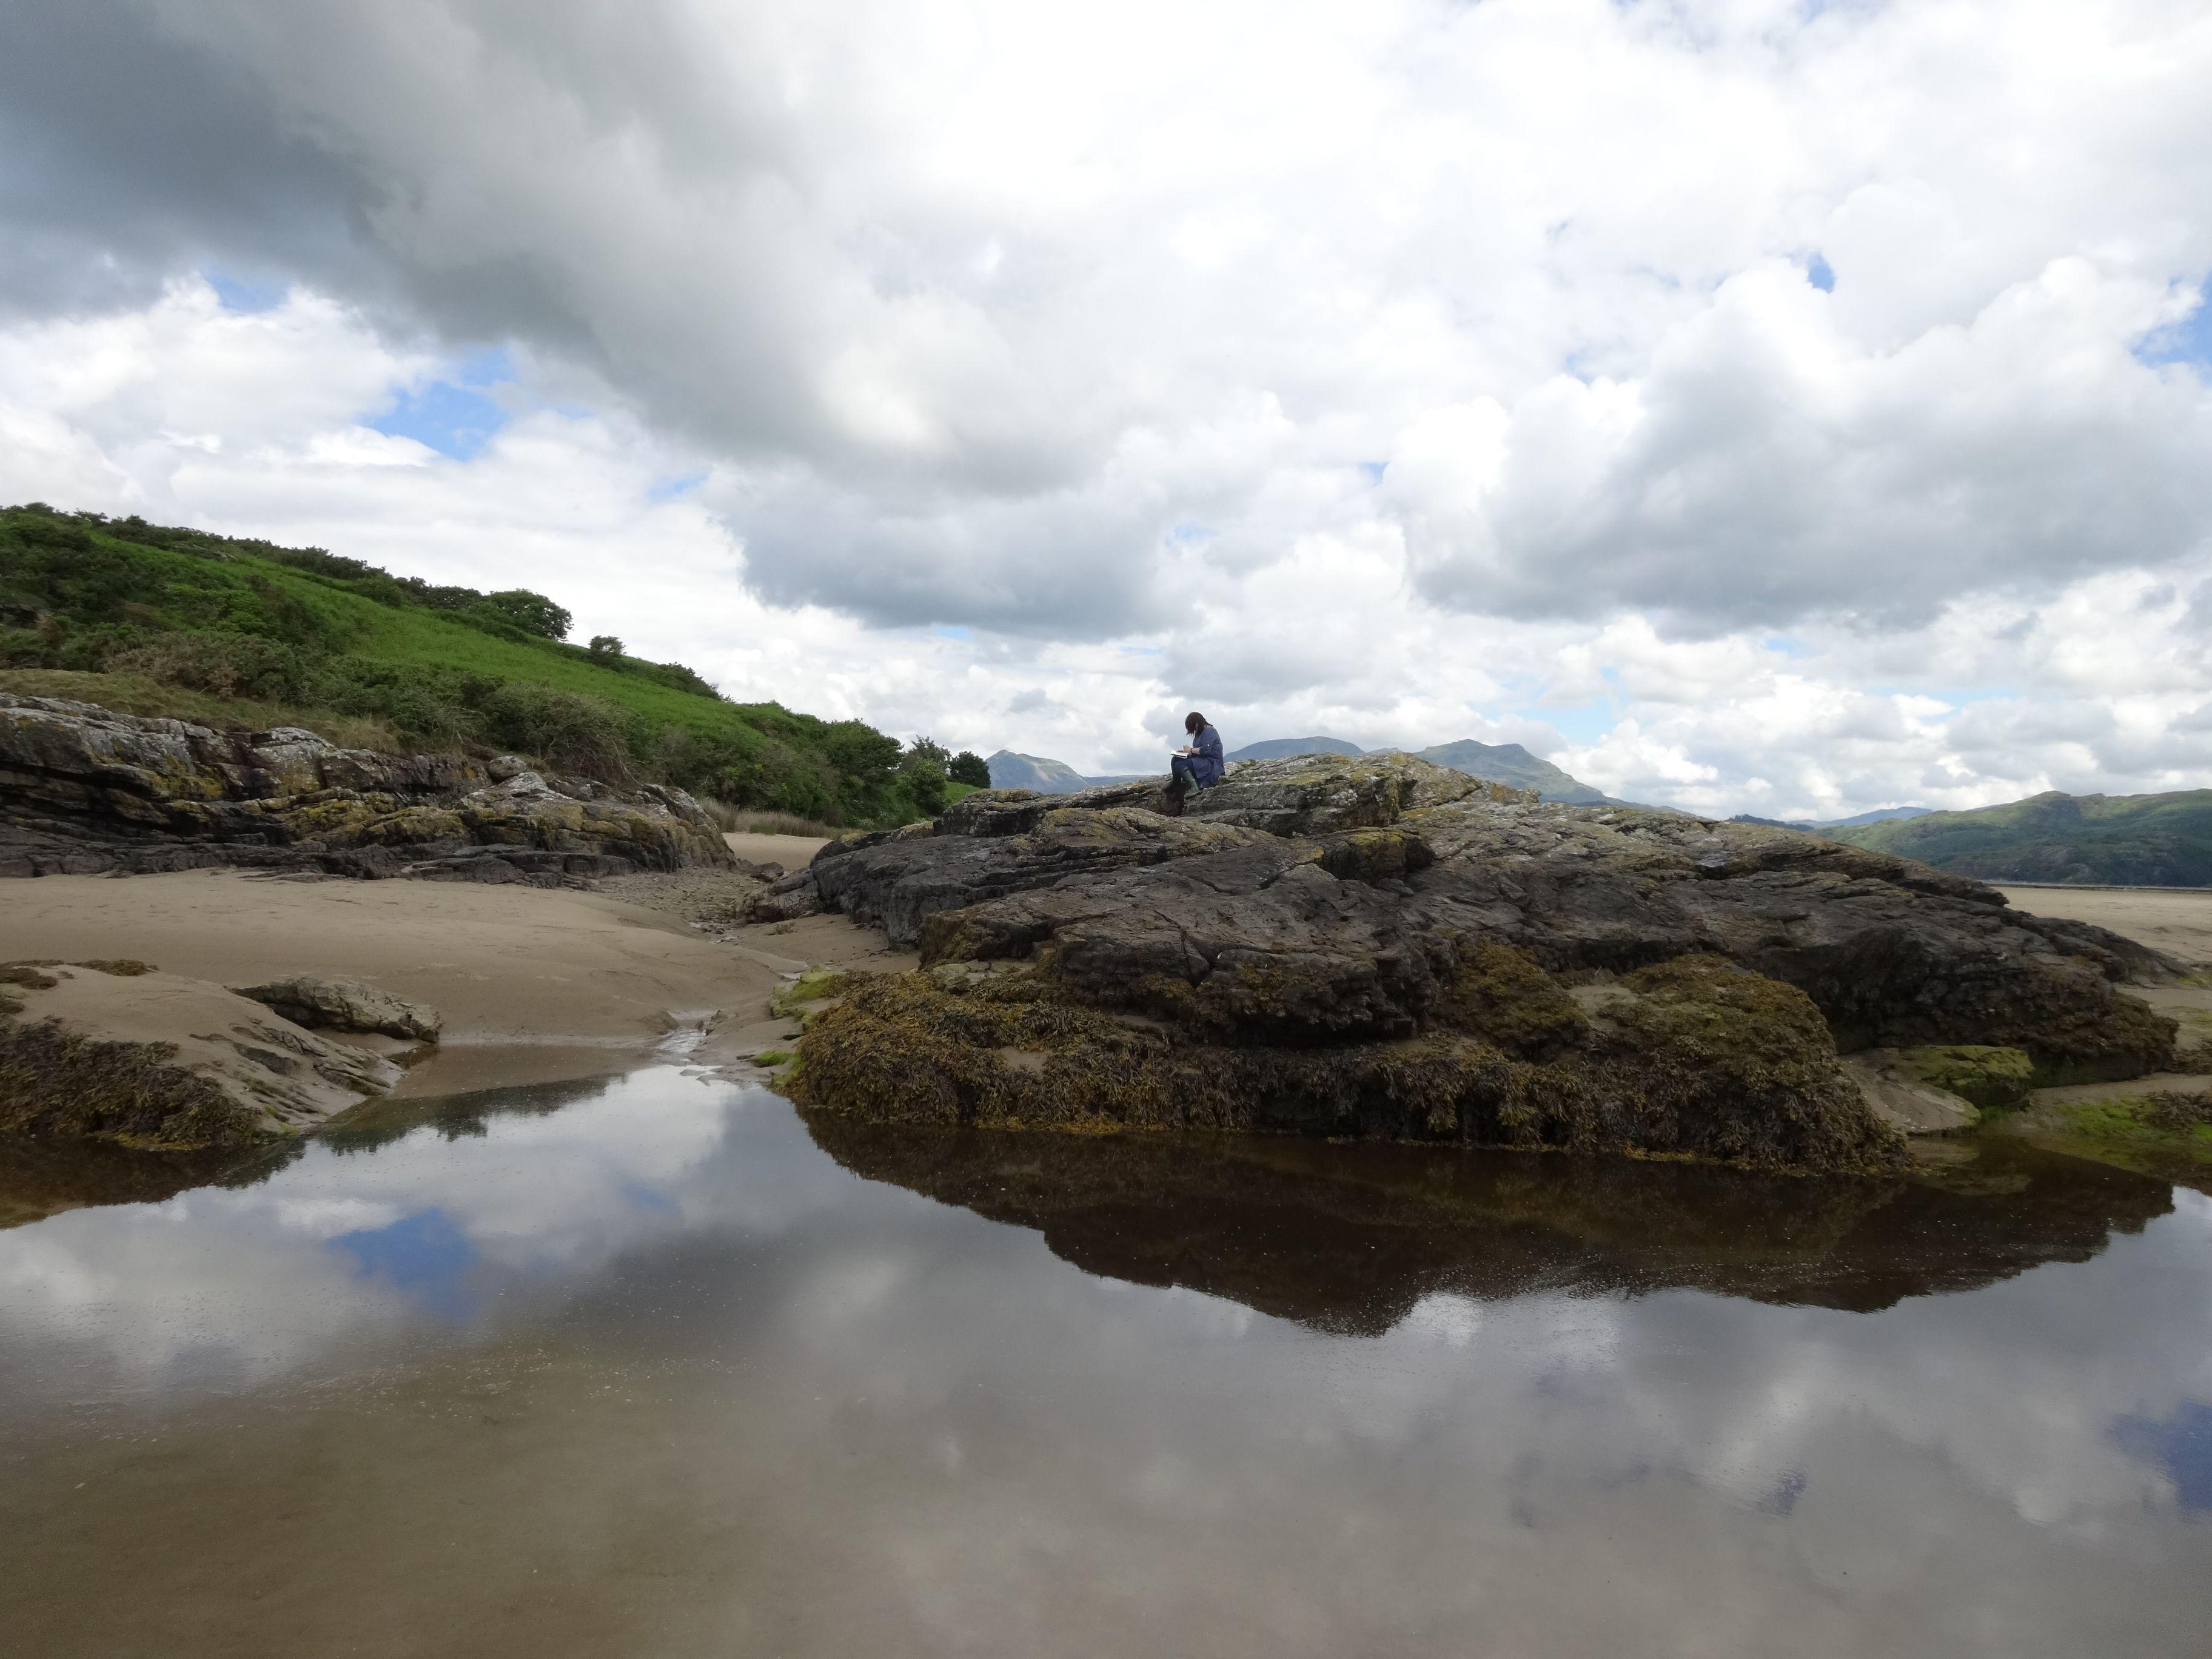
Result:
<point x="1348" y="1238"/>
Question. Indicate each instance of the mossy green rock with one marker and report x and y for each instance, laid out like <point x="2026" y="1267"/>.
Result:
<point x="1995" y="1079"/>
<point x="1709" y="1063"/>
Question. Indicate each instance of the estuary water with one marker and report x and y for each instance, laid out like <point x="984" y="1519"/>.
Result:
<point x="660" y="1366"/>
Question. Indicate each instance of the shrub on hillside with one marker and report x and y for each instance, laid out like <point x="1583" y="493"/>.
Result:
<point x="860" y="751"/>
<point x="575" y="734"/>
<point x="921" y="776"/>
<point x="224" y="665"/>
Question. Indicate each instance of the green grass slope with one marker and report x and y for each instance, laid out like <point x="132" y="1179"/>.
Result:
<point x="2150" y="841"/>
<point x="172" y="621"/>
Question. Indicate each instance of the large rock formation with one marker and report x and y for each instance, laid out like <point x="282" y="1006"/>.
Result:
<point x="1377" y="947"/>
<point x="83" y="791"/>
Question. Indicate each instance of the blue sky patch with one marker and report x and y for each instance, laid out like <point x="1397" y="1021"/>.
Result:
<point x="2180" y="1444"/>
<point x="454" y="414"/>
<point x="242" y="294"/>
<point x="672" y="487"/>
<point x="1586" y="724"/>
<point x="2189" y="340"/>
<point x="1821" y="274"/>
<point x="424" y="1254"/>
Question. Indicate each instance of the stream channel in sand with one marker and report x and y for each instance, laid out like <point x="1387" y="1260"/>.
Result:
<point x="652" y="1366"/>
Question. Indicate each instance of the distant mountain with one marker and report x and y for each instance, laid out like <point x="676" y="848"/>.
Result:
<point x="1495" y="762"/>
<point x="1885" y="815"/>
<point x="1038" y="772"/>
<point x="1509" y="763"/>
<point x="1276" y="748"/>
<point x="2129" y="841"/>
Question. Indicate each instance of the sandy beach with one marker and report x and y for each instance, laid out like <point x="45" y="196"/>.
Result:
<point x="2179" y="923"/>
<point x="534" y="984"/>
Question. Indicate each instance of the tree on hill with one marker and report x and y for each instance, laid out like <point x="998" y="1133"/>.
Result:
<point x="969" y="767"/>
<point x="533" y="613"/>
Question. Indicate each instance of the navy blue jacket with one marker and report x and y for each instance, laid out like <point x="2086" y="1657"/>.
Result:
<point x="1206" y="767"/>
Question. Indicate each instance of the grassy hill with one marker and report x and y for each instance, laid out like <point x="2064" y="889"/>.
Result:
<point x="2151" y="841"/>
<point x="153" y="619"/>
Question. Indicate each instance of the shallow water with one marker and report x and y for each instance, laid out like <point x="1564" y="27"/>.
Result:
<point x="653" y="1368"/>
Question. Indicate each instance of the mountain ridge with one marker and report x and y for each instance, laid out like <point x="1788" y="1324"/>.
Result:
<point x="1494" y="763"/>
<point x="2127" y="840"/>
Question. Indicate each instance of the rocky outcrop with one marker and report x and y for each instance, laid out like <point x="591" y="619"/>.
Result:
<point x="160" y="1062"/>
<point x="346" y="1005"/>
<point x="83" y="791"/>
<point x="1374" y="946"/>
<point x="997" y="842"/>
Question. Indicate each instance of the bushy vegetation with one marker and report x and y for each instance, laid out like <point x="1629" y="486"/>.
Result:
<point x="2151" y="841"/>
<point x="334" y="644"/>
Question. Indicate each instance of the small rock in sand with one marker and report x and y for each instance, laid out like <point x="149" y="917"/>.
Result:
<point x="345" y="1005"/>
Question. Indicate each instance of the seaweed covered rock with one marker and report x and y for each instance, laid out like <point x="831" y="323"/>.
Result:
<point x="83" y="792"/>
<point x="1698" y="1059"/>
<point x="158" y="1063"/>
<point x="1353" y="947"/>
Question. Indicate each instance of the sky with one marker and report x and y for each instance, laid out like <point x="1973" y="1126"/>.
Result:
<point x="1750" y="405"/>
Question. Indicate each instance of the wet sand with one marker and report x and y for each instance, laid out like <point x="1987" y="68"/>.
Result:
<point x="791" y="852"/>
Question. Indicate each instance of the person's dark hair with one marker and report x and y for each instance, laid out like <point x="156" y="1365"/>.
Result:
<point x="1194" y="722"/>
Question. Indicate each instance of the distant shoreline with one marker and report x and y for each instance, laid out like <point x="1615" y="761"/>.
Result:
<point x="2087" y="887"/>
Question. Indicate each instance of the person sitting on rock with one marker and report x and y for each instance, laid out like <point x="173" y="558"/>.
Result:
<point x="1197" y="764"/>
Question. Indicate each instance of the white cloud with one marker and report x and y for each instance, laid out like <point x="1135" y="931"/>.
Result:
<point x="1036" y="355"/>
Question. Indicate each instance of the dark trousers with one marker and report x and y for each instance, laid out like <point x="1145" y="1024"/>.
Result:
<point x="1182" y="775"/>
